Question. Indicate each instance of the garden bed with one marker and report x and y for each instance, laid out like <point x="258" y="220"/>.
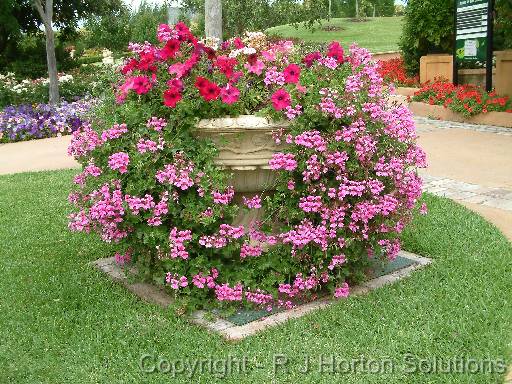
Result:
<point x="502" y="119"/>
<point x="245" y="322"/>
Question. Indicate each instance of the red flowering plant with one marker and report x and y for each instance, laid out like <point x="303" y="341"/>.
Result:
<point x="393" y="71"/>
<point x="468" y="100"/>
<point x="347" y="181"/>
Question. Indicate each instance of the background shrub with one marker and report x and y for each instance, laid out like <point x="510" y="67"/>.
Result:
<point x="428" y="28"/>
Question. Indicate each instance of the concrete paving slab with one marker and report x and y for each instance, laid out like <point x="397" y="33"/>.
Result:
<point x="36" y="155"/>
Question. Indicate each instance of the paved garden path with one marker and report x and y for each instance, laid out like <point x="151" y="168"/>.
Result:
<point x="36" y="155"/>
<point x="471" y="164"/>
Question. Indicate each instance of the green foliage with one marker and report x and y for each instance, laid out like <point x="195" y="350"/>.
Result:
<point x="28" y="57"/>
<point x="503" y="25"/>
<point x="115" y="29"/>
<point x="111" y="30"/>
<point x="143" y="22"/>
<point x="428" y="28"/>
<point x="19" y="26"/>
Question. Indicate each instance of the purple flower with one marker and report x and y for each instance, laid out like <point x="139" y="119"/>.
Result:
<point x="25" y="122"/>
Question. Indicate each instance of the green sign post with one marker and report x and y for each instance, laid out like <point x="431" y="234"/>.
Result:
<point x="473" y="35"/>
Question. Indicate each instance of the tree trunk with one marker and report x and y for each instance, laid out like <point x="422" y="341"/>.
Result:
<point x="213" y="18"/>
<point x="46" y="14"/>
<point x="52" y="66"/>
<point x="357" y="9"/>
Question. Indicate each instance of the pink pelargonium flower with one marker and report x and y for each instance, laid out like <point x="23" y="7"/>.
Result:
<point x="292" y="73"/>
<point x="229" y="94"/>
<point x="280" y="99"/>
<point x="342" y="291"/>
<point x="119" y="161"/>
<point x="253" y="202"/>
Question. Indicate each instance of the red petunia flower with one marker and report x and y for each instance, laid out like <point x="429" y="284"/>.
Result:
<point x="171" y="97"/>
<point x="141" y="85"/>
<point x="310" y="58"/>
<point x="226" y="65"/>
<point x="170" y="49"/>
<point x="335" y="50"/>
<point x="292" y="73"/>
<point x="280" y="99"/>
<point x="201" y="82"/>
<point x="210" y="91"/>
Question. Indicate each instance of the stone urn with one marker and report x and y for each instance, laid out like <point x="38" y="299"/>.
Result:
<point x="245" y="145"/>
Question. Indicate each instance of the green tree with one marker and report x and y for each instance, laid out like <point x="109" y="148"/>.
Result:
<point x="26" y="16"/>
<point x="145" y="20"/>
<point x="111" y="30"/>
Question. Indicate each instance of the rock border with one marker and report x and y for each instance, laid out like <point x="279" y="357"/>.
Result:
<point x="153" y="294"/>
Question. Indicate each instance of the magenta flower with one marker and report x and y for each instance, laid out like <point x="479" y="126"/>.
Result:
<point x="280" y="99"/>
<point x="119" y="161"/>
<point x="342" y="291"/>
<point x="292" y="73"/>
<point x="229" y="94"/>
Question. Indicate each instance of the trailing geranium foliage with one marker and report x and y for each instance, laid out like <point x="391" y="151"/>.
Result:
<point x="347" y="181"/>
<point x="468" y="100"/>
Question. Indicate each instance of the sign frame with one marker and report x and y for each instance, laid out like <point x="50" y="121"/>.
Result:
<point x="473" y="32"/>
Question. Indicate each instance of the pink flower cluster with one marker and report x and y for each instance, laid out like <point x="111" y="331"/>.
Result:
<point x="284" y="161"/>
<point x="248" y="250"/>
<point x="115" y="132"/>
<point x="225" y="197"/>
<point x="253" y="202"/>
<point x="119" y="161"/>
<point x="83" y="141"/>
<point x="177" y="241"/>
<point x="226" y="234"/>
<point x="178" y="173"/>
<point x="225" y="293"/>
<point x="156" y="123"/>
<point x="176" y="281"/>
<point x="312" y="140"/>
<point x="144" y="145"/>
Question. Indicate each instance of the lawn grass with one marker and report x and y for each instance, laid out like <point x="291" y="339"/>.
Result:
<point x="380" y="34"/>
<point x="62" y="321"/>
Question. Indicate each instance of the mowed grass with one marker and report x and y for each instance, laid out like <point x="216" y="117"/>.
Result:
<point x="61" y="321"/>
<point x="380" y="34"/>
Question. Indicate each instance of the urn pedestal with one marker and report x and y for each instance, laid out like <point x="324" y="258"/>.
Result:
<point x="245" y="145"/>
